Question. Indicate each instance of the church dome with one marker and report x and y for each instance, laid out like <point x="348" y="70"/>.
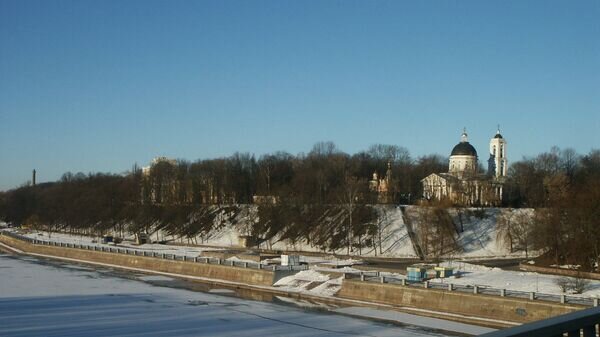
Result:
<point x="464" y="149"/>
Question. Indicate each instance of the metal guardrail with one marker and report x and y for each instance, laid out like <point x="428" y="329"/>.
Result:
<point x="580" y="323"/>
<point x="477" y="290"/>
<point x="146" y="253"/>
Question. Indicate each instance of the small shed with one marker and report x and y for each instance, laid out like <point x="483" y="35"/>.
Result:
<point x="416" y="273"/>
<point x="141" y="238"/>
<point x="290" y="260"/>
<point x="444" y="271"/>
<point x="432" y="273"/>
<point x="246" y="241"/>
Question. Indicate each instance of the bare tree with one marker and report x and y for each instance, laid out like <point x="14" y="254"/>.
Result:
<point x="350" y="194"/>
<point x="505" y="231"/>
<point x="569" y="161"/>
<point x="522" y="231"/>
<point x="437" y="231"/>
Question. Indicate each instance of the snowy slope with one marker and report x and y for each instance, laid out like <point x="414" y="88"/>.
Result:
<point x="397" y="242"/>
<point x="480" y="237"/>
<point x="477" y="235"/>
<point x="395" y="239"/>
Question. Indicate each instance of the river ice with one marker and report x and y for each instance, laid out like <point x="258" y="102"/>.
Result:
<point x="38" y="299"/>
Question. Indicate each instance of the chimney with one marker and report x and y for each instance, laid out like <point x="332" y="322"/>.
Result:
<point x="33" y="178"/>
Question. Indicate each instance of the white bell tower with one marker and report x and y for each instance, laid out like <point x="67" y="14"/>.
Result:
<point x="497" y="164"/>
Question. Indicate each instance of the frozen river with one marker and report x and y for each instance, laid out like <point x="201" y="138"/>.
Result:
<point x="48" y="298"/>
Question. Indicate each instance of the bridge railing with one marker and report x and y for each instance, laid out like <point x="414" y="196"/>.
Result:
<point x="583" y="323"/>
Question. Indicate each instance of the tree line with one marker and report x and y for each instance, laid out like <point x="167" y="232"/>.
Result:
<point x="323" y="197"/>
<point x="564" y="188"/>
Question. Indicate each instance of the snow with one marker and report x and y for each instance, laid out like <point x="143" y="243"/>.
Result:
<point x="480" y="236"/>
<point x="189" y="251"/>
<point x="482" y="276"/>
<point x="477" y="231"/>
<point x="181" y="250"/>
<point x="318" y="280"/>
<point x="336" y="263"/>
<point x="567" y="266"/>
<point x="306" y="275"/>
<point x="237" y="259"/>
<point x="311" y="282"/>
<point x="395" y="239"/>
<point x="43" y="300"/>
<point x="477" y="235"/>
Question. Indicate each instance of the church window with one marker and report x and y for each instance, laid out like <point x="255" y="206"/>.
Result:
<point x="494" y="152"/>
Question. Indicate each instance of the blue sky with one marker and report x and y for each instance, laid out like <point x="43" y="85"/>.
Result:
<point x="99" y="85"/>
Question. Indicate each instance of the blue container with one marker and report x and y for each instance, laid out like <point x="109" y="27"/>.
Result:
<point x="416" y="274"/>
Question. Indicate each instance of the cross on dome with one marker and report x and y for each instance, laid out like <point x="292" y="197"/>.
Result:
<point x="463" y="137"/>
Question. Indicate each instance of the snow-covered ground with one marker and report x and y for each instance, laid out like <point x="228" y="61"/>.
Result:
<point x="323" y="278"/>
<point x="477" y="231"/>
<point x="471" y="274"/>
<point x="311" y="282"/>
<point x="181" y="250"/>
<point x="477" y="234"/>
<point x="43" y="300"/>
<point x="395" y="239"/>
<point x="480" y="236"/>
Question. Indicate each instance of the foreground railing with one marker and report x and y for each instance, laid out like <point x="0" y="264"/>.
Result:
<point x="146" y="253"/>
<point x="374" y="276"/>
<point x="580" y="323"/>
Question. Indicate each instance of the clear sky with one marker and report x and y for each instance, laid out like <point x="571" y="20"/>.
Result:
<point x="99" y="85"/>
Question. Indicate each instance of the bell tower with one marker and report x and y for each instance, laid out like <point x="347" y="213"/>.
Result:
<point x="497" y="164"/>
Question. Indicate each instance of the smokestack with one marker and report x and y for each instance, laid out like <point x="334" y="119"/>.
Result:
<point x="33" y="178"/>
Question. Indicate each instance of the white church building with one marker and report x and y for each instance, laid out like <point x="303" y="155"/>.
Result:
<point x="463" y="184"/>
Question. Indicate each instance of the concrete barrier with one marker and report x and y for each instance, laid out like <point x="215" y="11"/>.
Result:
<point x="487" y="306"/>
<point x="265" y="277"/>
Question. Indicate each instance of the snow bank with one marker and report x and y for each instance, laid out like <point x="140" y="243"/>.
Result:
<point x="482" y="276"/>
<point x="311" y="282"/>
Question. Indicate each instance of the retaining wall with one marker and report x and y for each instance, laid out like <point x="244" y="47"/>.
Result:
<point x="220" y="272"/>
<point x="493" y="307"/>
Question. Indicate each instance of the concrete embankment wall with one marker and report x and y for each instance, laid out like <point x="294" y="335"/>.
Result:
<point x="220" y="272"/>
<point x="486" y="306"/>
